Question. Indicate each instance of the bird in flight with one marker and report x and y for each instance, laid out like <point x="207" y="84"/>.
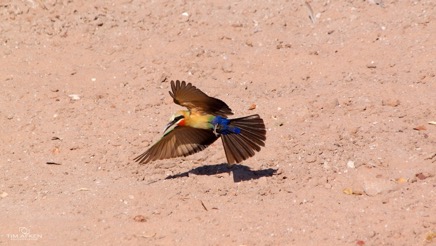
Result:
<point x="190" y="131"/>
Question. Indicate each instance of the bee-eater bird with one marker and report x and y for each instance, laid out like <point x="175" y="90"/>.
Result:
<point x="190" y="131"/>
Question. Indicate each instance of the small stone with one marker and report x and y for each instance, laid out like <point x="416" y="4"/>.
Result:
<point x="163" y="77"/>
<point x="376" y="2"/>
<point x="227" y="67"/>
<point x="74" y="97"/>
<point x="237" y="25"/>
<point x="310" y="159"/>
<point x="401" y="180"/>
<point x="375" y="186"/>
<point x="430" y="236"/>
<point x="332" y="104"/>
<point x="371" y="65"/>
<point x="357" y="192"/>
<point x="420" y="128"/>
<point x="350" y="164"/>
<point x="347" y="191"/>
<point x="140" y="218"/>
<point x="184" y="17"/>
<point x="421" y="176"/>
<point x="3" y="194"/>
<point x="391" y="102"/>
<point x="249" y="43"/>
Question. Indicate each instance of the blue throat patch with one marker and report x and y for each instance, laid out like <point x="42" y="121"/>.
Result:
<point x="221" y="126"/>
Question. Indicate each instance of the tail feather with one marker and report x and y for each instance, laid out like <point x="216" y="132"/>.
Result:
<point x="253" y="144"/>
<point x="233" y="149"/>
<point x="256" y="139"/>
<point x="239" y="147"/>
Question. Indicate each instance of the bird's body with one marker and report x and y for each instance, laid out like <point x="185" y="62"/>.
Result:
<point x="202" y="121"/>
<point x="190" y="131"/>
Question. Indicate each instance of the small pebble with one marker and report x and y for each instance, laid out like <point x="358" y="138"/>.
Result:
<point x="140" y="218"/>
<point x="74" y="97"/>
<point x="310" y="159"/>
<point x="391" y="102"/>
<point x="3" y="194"/>
<point x="371" y="65"/>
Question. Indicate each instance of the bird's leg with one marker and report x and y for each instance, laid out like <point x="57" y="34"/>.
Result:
<point x="220" y="125"/>
<point x="215" y="129"/>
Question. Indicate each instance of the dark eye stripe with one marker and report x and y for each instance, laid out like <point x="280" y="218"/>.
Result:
<point x="178" y="118"/>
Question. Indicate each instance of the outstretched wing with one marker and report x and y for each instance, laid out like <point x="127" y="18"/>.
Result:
<point x="182" y="141"/>
<point x="187" y="95"/>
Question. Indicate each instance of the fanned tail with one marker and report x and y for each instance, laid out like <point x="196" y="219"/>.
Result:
<point x="242" y="145"/>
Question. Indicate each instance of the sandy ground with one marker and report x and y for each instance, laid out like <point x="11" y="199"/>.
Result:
<point x="347" y="97"/>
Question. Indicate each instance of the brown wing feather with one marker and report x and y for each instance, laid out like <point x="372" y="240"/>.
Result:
<point x="182" y="141"/>
<point x="187" y="95"/>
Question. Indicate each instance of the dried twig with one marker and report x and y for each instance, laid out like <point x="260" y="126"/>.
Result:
<point x="310" y="10"/>
<point x="204" y="206"/>
<point x="52" y="163"/>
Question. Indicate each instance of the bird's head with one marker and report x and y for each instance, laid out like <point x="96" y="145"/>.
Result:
<point x="177" y="119"/>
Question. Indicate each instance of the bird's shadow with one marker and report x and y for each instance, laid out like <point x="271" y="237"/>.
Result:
<point x="240" y="172"/>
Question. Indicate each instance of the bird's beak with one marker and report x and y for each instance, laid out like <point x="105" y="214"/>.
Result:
<point x="171" y="125"/>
